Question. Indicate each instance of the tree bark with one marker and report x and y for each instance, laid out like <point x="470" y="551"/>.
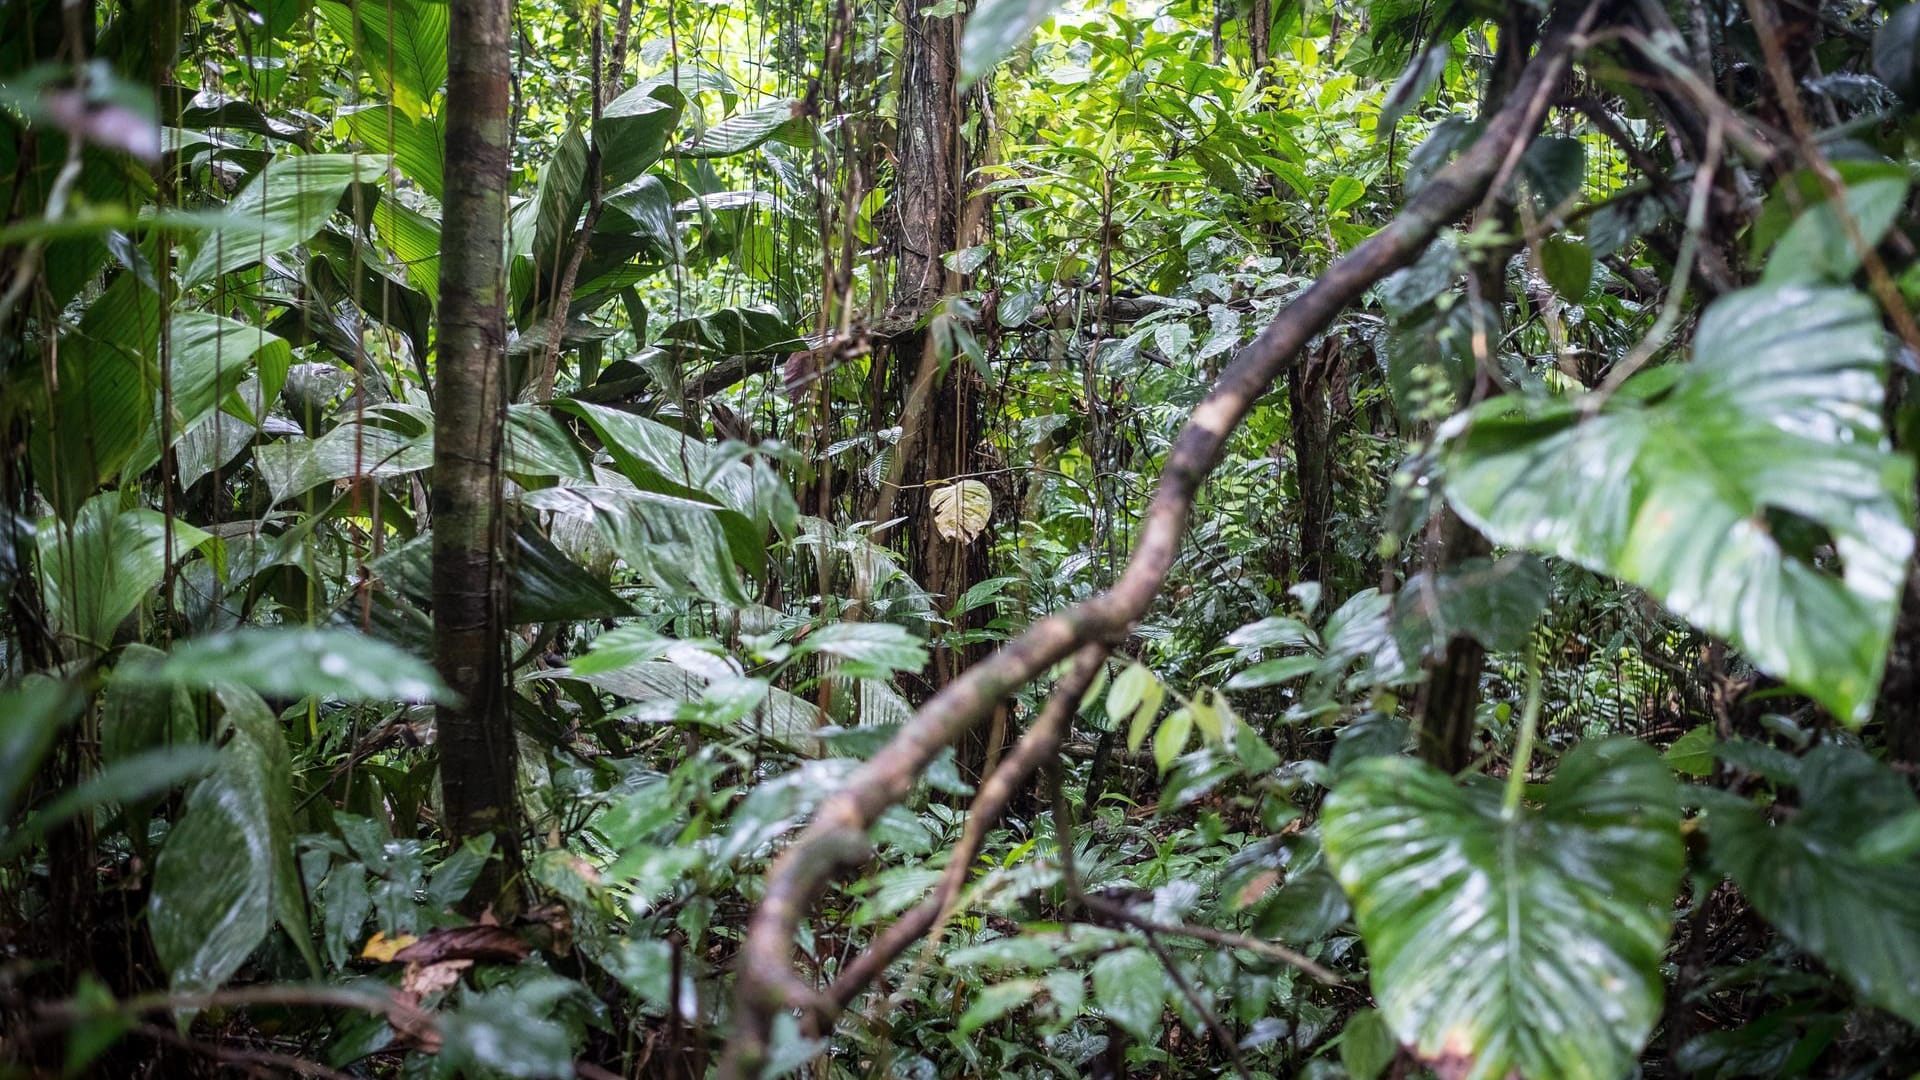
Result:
<point x="941" y="435"/>
<point x="475" y="731"/>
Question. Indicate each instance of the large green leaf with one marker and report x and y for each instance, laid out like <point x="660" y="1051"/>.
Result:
<point x="1717" y="486"/>
<point x="1828" y="891"/>
<point x="780" y="120"/>
<point x="283" y="206"/>
<point x="677" y="543"/>
<point x="403" y="44"/>
<point x="97" y="570"/>
<point x="298" y="662"/>
<point x="413" y="240"/>
<point x="661" y="459"/>
<point x="418" y="146"/>
<point x="1523" y="945"/>
<point x="106" y="381"/>
<point x="1817" y="246"/>
<point x="633" y="132"/>
<point x="227" y="869"/>
<point x="295" y="466"/>
<point x="35" y="712"/>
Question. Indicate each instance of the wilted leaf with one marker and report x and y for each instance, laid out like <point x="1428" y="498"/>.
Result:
<point x="961" y="510"/>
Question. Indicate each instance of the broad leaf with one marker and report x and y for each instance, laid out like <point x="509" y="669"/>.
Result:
<point x="417" y="145"/>
<point x="403" y="44"/>
<point x="1717" y="486"/>
<point x="1817" y="877"/>
<point x="284" y="205"/>
<point x="227" y="871"/>
<point x="299" y="662"/>
<point x="98" y="570"/>
<point x="1523" y="945"/>
<point x="1131" y="988"/>
<point x="106" y="375"/>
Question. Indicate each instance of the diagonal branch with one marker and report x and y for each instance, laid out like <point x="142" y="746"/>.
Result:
<point x="1040" y="745"/>
<point x="836" y="841"/>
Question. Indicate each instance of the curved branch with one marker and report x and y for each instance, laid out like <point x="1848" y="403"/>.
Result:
<point x="836" y="841"/>
<point x="1038" y="746"/>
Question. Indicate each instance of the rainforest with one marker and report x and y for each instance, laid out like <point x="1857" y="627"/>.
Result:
<point x="870" y="539"/>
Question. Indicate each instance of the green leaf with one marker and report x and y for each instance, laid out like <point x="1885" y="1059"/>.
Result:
<point x="403" y="44"/>
<point x="1815" y="877"/>
<point x="679" y="544"/>
<point x="1130" y="987"/>
<point x="1172" y="737"/>
<point x="665" y="461"/>
<point x="413" y="241"/>
<point x="1568" y="265"/>
<point x="996" y="1001"/>
<point x="1274" y="672"/>
<point x="227" y="868"/>
<point x="1692" y="754"/>
<point x="634" y="131"/>
<point x="1124" y="696"/>
<point x="994" y="29"/>
<point x="98" y="570"/>
<point x="128" y="782"/>
<point x="885" y="647"/>
<point x="509" y="1032"/>
<point x="781" y="119"/>
<point x="106" y="373"/>
<point x="1343" y="192"/>
<point x="284" y="205"/>
<point x="1527" y="945"/>
<point x="300" y="662"/>
<point x="1817" y="246"/>
<point x="1494" y="601"/>
<point x="417" y="145"/>
<point x="295" y="466"/>
<point x="1714" y="492"/>
<point x="35" y="712"/>
<point x="1367" y="1047"/>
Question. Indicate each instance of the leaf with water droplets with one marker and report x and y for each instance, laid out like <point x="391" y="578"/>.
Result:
<point x="299" y="662"/>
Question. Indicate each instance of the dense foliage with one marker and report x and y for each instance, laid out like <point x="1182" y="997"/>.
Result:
<point x="1366" y="539"/>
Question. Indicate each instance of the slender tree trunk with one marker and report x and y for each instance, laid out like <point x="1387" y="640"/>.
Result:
<point x="475" y="732"/>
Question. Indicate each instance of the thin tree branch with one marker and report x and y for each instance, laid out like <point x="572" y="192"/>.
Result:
<point x="836" y="840"/>
<point x="1038" y="747"/>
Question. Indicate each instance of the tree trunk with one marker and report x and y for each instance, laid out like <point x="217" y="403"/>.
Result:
<point x="941" y="436"/>
<point x="475" y="732"/>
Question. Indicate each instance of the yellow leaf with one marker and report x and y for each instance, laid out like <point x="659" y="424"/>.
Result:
<point x="961" y="510"/>
<point x="382" y="948"/>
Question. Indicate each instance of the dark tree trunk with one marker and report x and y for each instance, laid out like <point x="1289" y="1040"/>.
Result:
<point x="475" y="732"/>
<point x="1312" y="431"/>
<point x="943" y="424"/>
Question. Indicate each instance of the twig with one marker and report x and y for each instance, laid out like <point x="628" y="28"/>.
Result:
<point x="1271" y="951"/>
<point x="242" y="1057"/>
<point x="1207" y="1015"/>
<point x="836" y="840"/>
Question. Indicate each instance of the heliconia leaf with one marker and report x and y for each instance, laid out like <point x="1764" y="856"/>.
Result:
<point x="961" y="510"/>
<point x="104" y="565"/>
<point x="403" y="44"/>
<point x="1716" y="486"/>
<point x="285" y="204"/>
<point x="1524" y="945"/>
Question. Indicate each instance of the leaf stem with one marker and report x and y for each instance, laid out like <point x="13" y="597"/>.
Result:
<point x="1523" y="746"/>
